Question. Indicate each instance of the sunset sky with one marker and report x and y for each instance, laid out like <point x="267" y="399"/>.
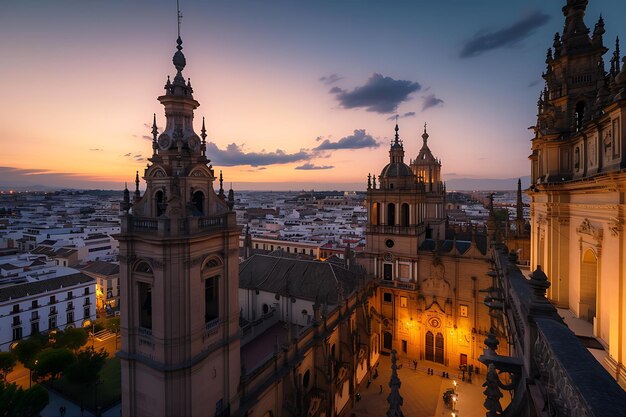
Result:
<point x="296" y="94"/>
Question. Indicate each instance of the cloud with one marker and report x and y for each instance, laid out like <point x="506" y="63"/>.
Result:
<point x="33" y="179"/>
<point x="127" y="154"/>
<point x="400" y="116"/>
<point x="359" y="140"/>
<point x="533" y="83"/>
<point x="137" y="156"/>
<point x="431" y="101"/>
<point x="234" y="155"/>
<point x="146" y="137"/>
<point x="96" y="149"/>
<point x="309" y="167"/>
<point x="379" y="94"/>
<point x="330" y="79"/>
<point x="509" y="36"/>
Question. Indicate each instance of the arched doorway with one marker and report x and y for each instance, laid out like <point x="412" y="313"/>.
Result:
<point x="434" y="347"/>
<point x="588" y="286"/>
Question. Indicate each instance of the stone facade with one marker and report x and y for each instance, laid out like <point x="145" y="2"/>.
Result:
<point x="428" y="297"/>
<point x="577" y="181"/>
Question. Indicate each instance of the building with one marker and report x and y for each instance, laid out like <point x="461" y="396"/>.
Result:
<point x="38" y="305"/>
<point x="428" y="295"/>
<point x="178" y="252"/>
<point x="577" y="182"/>
<point x="106" y="275"/>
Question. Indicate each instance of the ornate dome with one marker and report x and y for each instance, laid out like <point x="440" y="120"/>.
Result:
<point x="396" y="169"/>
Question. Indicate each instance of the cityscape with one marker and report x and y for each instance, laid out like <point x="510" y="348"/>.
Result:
<point x="345" y="214"/>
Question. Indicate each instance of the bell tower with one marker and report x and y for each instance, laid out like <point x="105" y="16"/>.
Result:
<point x="179" y="274"/>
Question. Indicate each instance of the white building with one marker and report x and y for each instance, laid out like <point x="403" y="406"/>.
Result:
<point x="40" y="305"/>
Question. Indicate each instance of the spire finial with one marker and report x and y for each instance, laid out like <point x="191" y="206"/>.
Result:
<point x="397" y="136"/>
<point x="425" y="135"/>
<point x="203" y="131"/>
<point x="179" y="17"/>
<point x="221" y="184"/>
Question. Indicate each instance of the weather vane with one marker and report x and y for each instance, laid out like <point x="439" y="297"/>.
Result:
<point x="179" y="15"/>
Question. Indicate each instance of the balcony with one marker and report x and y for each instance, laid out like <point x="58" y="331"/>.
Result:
<point x="397" y="230"/>
<point x="53" y="312"/>
<point x="34" y="316"/>
<point x="70" y="307"/>
<point x="174" y="226"/>
<point x="144" y="331"/>
<point x="16" y="323"/>
<point x="402" y="285"/>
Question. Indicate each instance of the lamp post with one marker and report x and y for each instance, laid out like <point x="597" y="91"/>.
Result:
<point x="30" y="375"/>
<point x="98" y="382"/>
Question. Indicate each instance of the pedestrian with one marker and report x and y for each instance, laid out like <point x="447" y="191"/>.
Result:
<point x="381" y="389"/>
<point x="414" y="365"/>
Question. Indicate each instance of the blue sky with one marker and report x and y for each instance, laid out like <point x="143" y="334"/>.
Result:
<point x="276" y="79"/>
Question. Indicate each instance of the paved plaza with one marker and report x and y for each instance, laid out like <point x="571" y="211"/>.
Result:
<point x="422" y="393"/>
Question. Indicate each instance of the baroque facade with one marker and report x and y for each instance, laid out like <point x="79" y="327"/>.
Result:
<point x="428" y="297"/>
<point x="577" y="181"/>
<point x="195" y="342"/>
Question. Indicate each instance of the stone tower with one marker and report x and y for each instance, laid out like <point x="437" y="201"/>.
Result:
<point x="179" y="275"/>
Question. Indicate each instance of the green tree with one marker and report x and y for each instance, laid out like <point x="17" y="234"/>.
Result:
<point x="52" y="362"/>
<point x="27" y="350"/>
<point x="15" y="401"/>
<point x="84" y="370"/>
<point x="71" y="338"/>
<point x="113" y="324"/>
<point x="7" y="363"/>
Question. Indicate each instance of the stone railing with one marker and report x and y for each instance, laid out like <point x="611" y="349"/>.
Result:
<point x="554" y="373"/>
<point x="175" y="226"/>
<point x="398" y="284"/>
<point x="397" y="230"/>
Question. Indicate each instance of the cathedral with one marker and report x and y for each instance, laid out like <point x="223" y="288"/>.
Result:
<point x="577" y="181"/>
<point x="428" y="277"/>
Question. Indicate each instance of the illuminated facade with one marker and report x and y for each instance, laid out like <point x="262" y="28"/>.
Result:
<point x="578" y="182"/>
<point x="428" y="297"/>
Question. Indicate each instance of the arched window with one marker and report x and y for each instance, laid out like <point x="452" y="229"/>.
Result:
<point x="211" y="299"/>
<point x="404" y="220"/>
<point x="375" y="218"/>
<point x="159" y="203"/>
<point x="579" y="114"/>
<point x="197" y="202"/>
<point x="306" y="378"/>
<point x="391" y="214"/>
<point x="143" y="267"/>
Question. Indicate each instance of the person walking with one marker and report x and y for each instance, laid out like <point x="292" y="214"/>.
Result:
<point x="381" y="389"/>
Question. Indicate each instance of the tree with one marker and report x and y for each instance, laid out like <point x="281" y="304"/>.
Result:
<point x="113" y="324"/>
<point x="52" y="362"/>
<point x="27" y="350"/>
<point x="7" y="363"/>
<point x="84" y="370"/>
<point x="71" y="338"/>
<point x="15" y="401"/>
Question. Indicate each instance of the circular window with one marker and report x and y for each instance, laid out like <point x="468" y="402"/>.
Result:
<point x="266" y="308"/>
<point x="389" y="243"/>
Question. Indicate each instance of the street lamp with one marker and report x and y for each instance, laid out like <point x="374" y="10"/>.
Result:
<point x="98" y="382"/>
<point x="30" y="375"/>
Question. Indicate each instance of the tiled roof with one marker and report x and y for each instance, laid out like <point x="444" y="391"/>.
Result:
<point x="102" y="268"/>
<point x="302" y="279"/>
<point x="45" y="285"/>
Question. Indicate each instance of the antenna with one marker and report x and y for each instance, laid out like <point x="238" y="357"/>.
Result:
<point x="179" y="15"/>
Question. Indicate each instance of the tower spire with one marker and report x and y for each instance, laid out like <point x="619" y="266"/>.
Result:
<point x="425" y="136"/>
<point x="397" y="136"/>
<point x="155" y="132"/>
<point x="179" y="16"/>
<point x="394" y="399"/>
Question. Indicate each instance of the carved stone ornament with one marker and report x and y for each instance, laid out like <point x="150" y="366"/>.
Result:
<point x="615" y="226"/>
<point x="586" y="228"/>
<point x="198" y="173"/>
<point x="156" y="263"/>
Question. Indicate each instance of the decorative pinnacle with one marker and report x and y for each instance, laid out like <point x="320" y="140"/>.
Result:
<point x="397" y="137"/>
<point x="203" y="131"/>
<point x="154" y="128"/>
<point x="221" y="183"/>
<point x="137" y="182"/>
<point x="425" y="135"/>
